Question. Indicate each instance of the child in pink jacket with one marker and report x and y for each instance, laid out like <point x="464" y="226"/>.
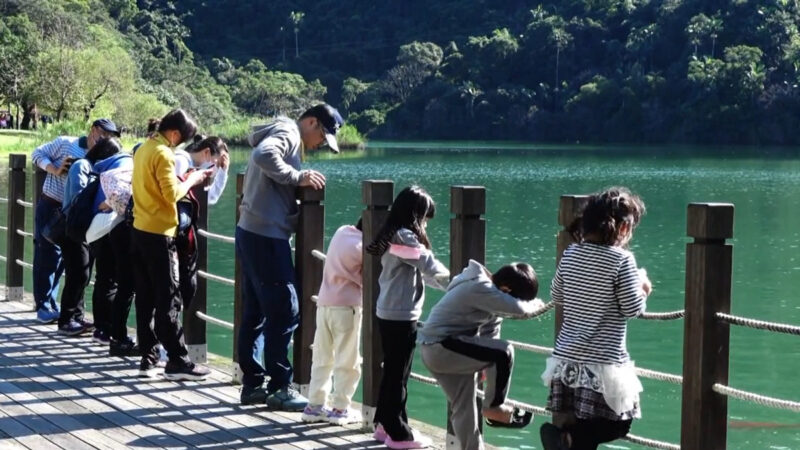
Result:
<point x="338" y="331"/>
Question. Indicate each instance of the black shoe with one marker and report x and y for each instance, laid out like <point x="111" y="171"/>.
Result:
<point x="253" y="395"/>
<point x="185" y="371"/>
<point x="147" y="369"/>
<point x="552" y="437"/>
<point x="128" y="347"/>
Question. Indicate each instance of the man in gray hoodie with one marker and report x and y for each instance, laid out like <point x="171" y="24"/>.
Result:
<point x="268" y="217"/>
<point x="460" y="338"/>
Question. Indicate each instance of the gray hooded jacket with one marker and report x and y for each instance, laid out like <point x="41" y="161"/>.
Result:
<point x="407" y="267"/>
<point x="472" y="306"/>
<point x="269" y="206"/>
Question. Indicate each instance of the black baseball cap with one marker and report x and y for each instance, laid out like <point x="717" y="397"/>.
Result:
<point x="331" y="121"/>
<point x="107" y="125"/>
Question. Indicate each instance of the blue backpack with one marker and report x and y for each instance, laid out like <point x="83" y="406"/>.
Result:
<point x="80" y="211"/>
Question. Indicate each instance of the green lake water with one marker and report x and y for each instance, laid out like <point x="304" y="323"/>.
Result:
<point x="523" y="189"/>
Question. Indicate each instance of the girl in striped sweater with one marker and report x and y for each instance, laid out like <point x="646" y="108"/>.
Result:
<point x="594" y="391"/>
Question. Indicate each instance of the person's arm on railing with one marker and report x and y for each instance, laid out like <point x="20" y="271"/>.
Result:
<point x="630" y="292"/>
<point x="46" y="155"/>
<point x="268" y="156"/>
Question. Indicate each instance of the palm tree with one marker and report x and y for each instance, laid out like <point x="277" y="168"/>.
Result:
<point x="296" y="17"/>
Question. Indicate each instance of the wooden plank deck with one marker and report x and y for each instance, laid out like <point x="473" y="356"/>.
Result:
<point x="61" y="392"/>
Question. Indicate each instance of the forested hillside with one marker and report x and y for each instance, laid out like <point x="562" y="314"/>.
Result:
<point x="575" y="70"/>
<point x="708" y="71"/>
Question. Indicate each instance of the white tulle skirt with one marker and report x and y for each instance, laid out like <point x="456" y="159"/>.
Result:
<point x="618" y="384"/>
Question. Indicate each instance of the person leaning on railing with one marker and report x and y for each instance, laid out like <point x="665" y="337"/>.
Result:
<point x="55" y="158"/>
<point x="594" y="390"/>
<point x="461" y="338"/>
<point x="268" y="217"/>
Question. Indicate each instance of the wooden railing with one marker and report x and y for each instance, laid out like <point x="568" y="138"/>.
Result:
<point x="707" y="299"/>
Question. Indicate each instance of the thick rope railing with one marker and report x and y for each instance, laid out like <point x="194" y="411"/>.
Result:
<point x="3" y="258"/>
<point x="217" y="278"/>
<point x="2" y="228"/>
<point x="759" y="324"/>
<point x="3" y="200"/>
<point x="758" y="399"/>
<point x="646" y="373"/>
<point x="24" y="234"/>
<point x="216" y="237"/>
<point x="21" y="202"/>
<point x="22" y="263"/>
<point x="214" y="320"/>
<point x="669" y="315"/>
<point x="652" y="443"/>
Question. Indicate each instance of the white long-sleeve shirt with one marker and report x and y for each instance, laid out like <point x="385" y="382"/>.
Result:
<point x="184" y="162"/>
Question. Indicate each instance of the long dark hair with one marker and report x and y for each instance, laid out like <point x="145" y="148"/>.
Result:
<point x="181" y="121"/>
<point x="604" y="214"/>
<point x="103" y="149"/>
<point x="215" y="144"/>
<point x="410" y="209"/>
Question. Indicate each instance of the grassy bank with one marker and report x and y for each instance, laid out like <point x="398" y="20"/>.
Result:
<point x="233" y="132"/>
<point x="22" y="141"/>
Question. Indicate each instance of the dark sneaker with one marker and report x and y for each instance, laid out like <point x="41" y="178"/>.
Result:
<point x="87" y="325"/>
<point x="185" y="371"/>
<point x="72" y="328"/>
<point x="101" y="337"/>
<point x="253" y="395"/>
<point x="47" y="315"/>
<point x="128" y="347"/>
<point x="552" y="437"/>
<point x="147" y="369"/>
<point x="286" y="399"/>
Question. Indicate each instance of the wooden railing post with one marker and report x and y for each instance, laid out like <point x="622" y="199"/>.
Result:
<point x="709" y="260"/>
<point x="570" y="207"/>
<point x="467" y="241"/>
<point x="15" y="244"/>
<point x="377" y="196"/>
<point x="310" y="236"/>
<point x="194" y="328"/>
<point x="237" y="288"/>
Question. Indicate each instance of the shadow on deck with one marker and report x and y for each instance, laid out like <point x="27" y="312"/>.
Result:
<point x="66" y="392"/>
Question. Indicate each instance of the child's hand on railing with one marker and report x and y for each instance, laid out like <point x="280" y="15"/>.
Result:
<point x="647" y="285"/>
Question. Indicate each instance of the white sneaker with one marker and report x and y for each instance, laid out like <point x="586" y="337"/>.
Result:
<point x="343" y="416"/>
<point x="314" y="413"/>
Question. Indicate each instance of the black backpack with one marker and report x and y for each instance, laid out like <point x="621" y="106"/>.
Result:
<point x="80" y="211"/>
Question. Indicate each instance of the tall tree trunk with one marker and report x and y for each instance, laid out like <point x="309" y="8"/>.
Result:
<point x="26" y="116"/>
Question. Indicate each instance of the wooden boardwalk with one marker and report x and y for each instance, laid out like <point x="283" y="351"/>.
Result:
<point x="61" y="392"/>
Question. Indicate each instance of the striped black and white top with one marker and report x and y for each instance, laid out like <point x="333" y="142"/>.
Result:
<point x="600" y="289"/>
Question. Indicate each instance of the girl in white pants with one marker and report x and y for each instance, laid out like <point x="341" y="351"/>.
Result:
<point x="338" y="332"/>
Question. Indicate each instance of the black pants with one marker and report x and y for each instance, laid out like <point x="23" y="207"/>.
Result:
<point x="186" y="243"/>
<point x="78" y="269"/>
<point x="398" y="340"/>
<point x="105" y="283"/>
<point x="120" y="239"/>
<point x="588" y="434"/>
<point x="157" y="296"/>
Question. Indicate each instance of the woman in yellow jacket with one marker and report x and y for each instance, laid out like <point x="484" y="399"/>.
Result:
<point x="156" y="190"/>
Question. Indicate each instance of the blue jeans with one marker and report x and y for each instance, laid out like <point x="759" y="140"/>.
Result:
<point x="270" y="310"/>
<point x="47" y="262"/>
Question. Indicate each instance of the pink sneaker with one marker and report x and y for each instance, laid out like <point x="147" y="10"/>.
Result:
<point x="419" y="441"/>
<point x="380" y="433"/>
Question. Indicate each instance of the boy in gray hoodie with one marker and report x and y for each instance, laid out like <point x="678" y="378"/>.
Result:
<point x="460" y="339"/>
